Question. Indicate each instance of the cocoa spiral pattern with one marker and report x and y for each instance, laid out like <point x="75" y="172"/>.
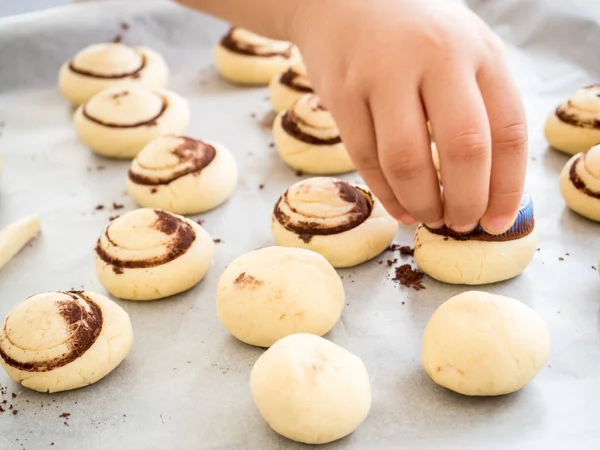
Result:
<point x="582" y="109"/>
<point x="308" y="121"/>
<point x="585" y="173"/>
<point x="244" y="42"/>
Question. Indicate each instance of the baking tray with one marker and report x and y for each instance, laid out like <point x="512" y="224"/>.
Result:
<point x="185" y="383"/>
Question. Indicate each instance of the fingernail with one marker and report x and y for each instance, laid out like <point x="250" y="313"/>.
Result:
<point x="463" y="228"/>
<point x="435" y="225"/>
<point x="407" y="219"/>
<point x="499" y="225"/>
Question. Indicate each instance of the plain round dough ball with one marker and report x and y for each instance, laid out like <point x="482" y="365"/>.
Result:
<point x="342" y="221"/>
<point x="56" y="341"/>
<point x="574" y="126"/>
<point x="273" y="292"/>
<point x="307" y="139"/>
<point x="182" y="175"/>
<point x="580" y="183"/>
<point x="120" y="121"/>
<point x="101" y="66"/>
<point x="287" y="87"/>
<point x="149" y="254"/>
<point x="311" y="390"/>
<point x="482" y="344"/>
<point x="477" y="258"/>
<point x="243" y="57"/>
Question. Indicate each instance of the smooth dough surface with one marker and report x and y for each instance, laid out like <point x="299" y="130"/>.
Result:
<point x="148" y="254"/>
<point x="182" y="175"/>
<point x="56" y="341"/>
<point x="311" y="153"/>
<point x="273" y="292"/>
<point x="105" y="65"/>
<point x="14" y="236"/>
<point x="341" y="231"/>
<point x="483" y="344"/>
<point x="287" y="87"/>
<point x="120" y="121"/>
<point x="472" y="262"/>
<point x="583" y="107"/>
<point x="584" y="198"/>
<point x="261" y="60"/>
<point x="311" y="390"/>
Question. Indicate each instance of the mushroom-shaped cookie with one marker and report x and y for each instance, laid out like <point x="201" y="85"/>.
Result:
<point x="574" y="126"/>
<point x="477" y="257"/>
<point x="104" y="65"/>
<point x="580" y="183"/>
<point x="182" y="175"/>
<point x="287" y="87"/>
<point x="149" y="254"/>
<point x="246" y="58"/>
<point x="343" y="222"/>
<point x="58" y="341"/>
<point x="120" y="121"/>
<point x="307" y="139"/>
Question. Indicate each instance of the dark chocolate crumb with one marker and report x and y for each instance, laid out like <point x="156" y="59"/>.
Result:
<point x="594" y="268"/>
<point x="111" y="218"/>
<point x="405" y="250"/>
<point x="124" y="26"/>
<point x="299" y="173"/>
<point x="537" y="249"/>
<point x="65" y="415"/>
<point x="153" y="191"/>
<point x="99" y="207"/>
<point x="200" y="221"/>
<point x="217" y="240"/>
<point x="409" y="277"/>
<point x="261" y="186"/>
<point x="253" y="115"/>
<point x="15" y="412"/>
<point x="566" y="254"/>
<point x="380" y="262"/>
<point x="271" y="144"/>
<point x="14" y="395"/>
<point x="561" y="258"/>
<point x="1" y="409"/>
<point x="403" y="303"/>
<point x="117" y="206"/>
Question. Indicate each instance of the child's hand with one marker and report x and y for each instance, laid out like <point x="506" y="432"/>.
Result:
<point x="384" y="68"/>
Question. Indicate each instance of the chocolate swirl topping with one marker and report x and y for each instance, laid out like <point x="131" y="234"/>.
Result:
<point x="131" y="74"/>
<point x="566" y="114"/>
<point x="231" y="43"/>
<point x="578" y="183"/>
<point x="144" y="123"/>
<point x="181" y="234"/>
<point x="290" y="123"/>
<point x="289" y="77"/>
<point x="83" y="319"/>
<point x="524" y="225"/>
<point x="192" y="156"/>
<point x="306" y="229"/>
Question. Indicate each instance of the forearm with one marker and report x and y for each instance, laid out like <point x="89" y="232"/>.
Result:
<point x="272" y="18"/>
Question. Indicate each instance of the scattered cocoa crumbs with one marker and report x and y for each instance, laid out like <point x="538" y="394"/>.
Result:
<point x="566" y="254"/>
<point x="153" y="191"/>
<point x="391" y="262"/>
<point x="15" y="412"/>
<point x="594" y="268"/>
<point x="299" y="173"/>
<point x="1" y="409"/>
<point x="561" y="258"/>
<point x="271" y="144"/>
<point x="99" y="207"/>
<point x="380" y="262"/>
<point x="409" y="277"/>
<point x="125" y="26"/>
<point x="117" y="206"/>
<point x="65" y="415"/>
<point x="111" y="218"/>
<point x="403" y="303"/>
<point x="393" y="247"/>
<point x="118" y="38"/>
<point x="200" y="221"/>
<point x="14" y="395"/>
<point x="261" y="186"/>
<point x="537" y="249"/>
<point x="405" y="250"/>
<point x="217" y="240"/>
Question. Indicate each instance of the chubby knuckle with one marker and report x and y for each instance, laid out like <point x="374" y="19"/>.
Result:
<point x="511" y="138"/>
<point x="404" y="165"/>
<point x="468" y="146"/>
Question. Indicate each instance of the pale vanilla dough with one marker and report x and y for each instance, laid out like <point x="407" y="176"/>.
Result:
<point x="105" y="65"/>
<point x="148" y="254"/>
<point x="257" y="59"/>
<point x="582" y="108"/>
<point x="182" y="175"/>
<point x="319" y="150"/>
<point x="585" y="169"/>
<point x="14" y="236"/>
<point x="273" y="292"/>
<point x="56" y="341"/>
<point x="311" y="390"/>
<point x="287" y="87"/>
<point x="482" y="344"/>
<point x="345" y="228"/>
<point x="120" y="121"/>
<point x="472" y="262"/>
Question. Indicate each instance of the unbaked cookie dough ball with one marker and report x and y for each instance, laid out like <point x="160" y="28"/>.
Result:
<point x="273" y="292"/>
<point x="105" y="65"/>
<point x="287" y="87"/>
<point x="580" y="183"/>
<point x="477" y="257"/>
<point x="575" y="125"/>
<point x="246" y="58"/>
<point x="307" y="139"/>
<point x="483" y="344"/>
<point x="344" y="222"/>
<point x="149" y="254"/>
<point x="182" y="175"/>
<point x="120" y="121"/>
<point x="311" y="390"/>
<point x="58" y="341"/>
